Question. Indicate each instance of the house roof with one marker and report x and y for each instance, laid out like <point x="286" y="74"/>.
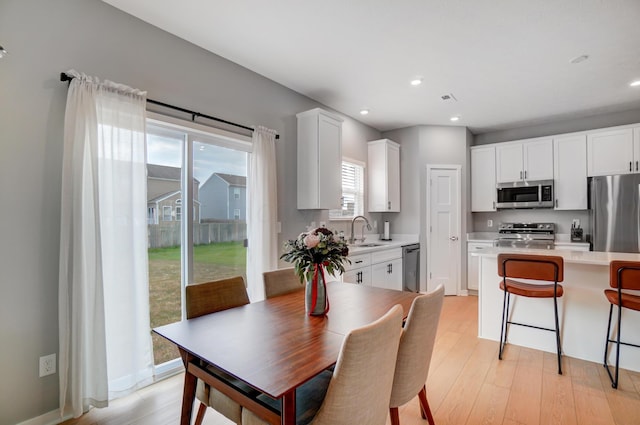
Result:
<point x="155" y="171"/>
<point x="166" y="196"/>
<point x="232" y="179"/>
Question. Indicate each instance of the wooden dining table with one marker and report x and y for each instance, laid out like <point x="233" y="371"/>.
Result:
<point x="273" y="347"/>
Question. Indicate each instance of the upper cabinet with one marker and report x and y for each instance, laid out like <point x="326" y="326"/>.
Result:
<point x="383" y="176"/>
<point x="570" y="172"/>
<point x="319" y="160"/>
<point x="525" y="160"/>
<point x="613" y="152"/>
<point x="483" y="178"/>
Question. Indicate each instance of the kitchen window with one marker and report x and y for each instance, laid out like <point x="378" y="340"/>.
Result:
<point x="166" y="213"/>
<point x="352" y="191"/>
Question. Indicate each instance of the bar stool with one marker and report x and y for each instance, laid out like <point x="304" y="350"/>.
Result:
<point x="622" y="275"/>
<point x="546" y="268"/>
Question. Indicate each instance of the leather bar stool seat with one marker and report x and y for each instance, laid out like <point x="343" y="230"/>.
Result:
<point x="530" y="290"/>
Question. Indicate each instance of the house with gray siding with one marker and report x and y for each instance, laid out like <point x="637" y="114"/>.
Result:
<point x="164" y="195"/>
<point x="223" y="197"/>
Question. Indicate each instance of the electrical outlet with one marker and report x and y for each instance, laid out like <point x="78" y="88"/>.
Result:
<point x="489" y="223"/>
<point x="48" y="365"/>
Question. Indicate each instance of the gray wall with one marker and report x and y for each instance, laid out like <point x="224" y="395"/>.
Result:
<point x="559" y="127"/>
<point x="420" y="146"/>
<point x="44" y="38"/>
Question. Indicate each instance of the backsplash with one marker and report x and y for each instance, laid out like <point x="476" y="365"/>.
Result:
<point x="562" y="219"/>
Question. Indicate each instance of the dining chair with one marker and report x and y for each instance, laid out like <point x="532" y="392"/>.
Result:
<point x="414" y="354"/>
<point x="623" y="276"/>
<point x="206" y="298"/>
<point x="280" y="282"/>
<point x="359" y="388"/>
<point x="548" y="270"/>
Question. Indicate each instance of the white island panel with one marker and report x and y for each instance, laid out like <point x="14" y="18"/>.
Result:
<point x="583" y="309"/>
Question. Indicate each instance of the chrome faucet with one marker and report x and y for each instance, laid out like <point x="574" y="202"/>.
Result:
<point x="353" y="239"/>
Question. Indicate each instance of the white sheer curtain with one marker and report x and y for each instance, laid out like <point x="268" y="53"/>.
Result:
<point x="105" y="344"/>
<point x="262" y="211"/>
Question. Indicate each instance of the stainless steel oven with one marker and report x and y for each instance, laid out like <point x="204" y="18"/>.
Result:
<point x="525" y="194"/>
<point x="526" y="235"/>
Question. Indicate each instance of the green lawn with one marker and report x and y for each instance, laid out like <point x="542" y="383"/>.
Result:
<point x="211" y="262"/>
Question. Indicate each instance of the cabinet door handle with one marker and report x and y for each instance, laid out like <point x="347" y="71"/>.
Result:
<point x="630" y="169"/>
<point x="359" y="277"/>
<point x="358" y="261"/>
<point x="453" y="238"/>
<point x="494" y="205"/>
<point x="556" y="203"/>
<point x="390" y="268"/>
<point x="389" y="205"/>
<point x="525" y="174"/>
<point x="636" y="165"/>
<point x="520" y="175"/>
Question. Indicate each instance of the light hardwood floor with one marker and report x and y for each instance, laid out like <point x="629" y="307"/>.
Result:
<point x="467" y="385"/>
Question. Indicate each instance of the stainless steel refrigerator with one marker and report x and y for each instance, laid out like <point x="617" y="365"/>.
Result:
<point x="614" y="202"/>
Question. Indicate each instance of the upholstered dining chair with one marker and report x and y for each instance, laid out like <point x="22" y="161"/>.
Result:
<point x="360" y="386"/>
<point x="414" y="354"/>
<point x="206" y="298"/>
<point x="280" y="282"/>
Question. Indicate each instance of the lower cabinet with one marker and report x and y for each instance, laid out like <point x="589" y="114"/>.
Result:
<point x="381" y="269"/>
<point x="473" y="263"/>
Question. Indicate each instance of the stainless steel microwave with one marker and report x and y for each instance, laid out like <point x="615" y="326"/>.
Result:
<point x="525" y="194"/>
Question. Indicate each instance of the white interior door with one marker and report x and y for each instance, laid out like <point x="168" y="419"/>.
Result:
<point x="443" y="221"/>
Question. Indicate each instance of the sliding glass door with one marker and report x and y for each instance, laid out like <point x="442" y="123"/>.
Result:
<point x="196" y="210"/>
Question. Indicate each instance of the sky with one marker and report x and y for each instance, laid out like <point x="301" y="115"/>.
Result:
<point x="208" y="159"/>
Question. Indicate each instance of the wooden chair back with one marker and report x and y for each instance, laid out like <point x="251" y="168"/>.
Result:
<point x="218" y="295"/>
<point x="280" y="282"/>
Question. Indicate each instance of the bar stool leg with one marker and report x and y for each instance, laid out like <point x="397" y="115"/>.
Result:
<point x="606" y="345"/>
<point x="559" y="350"/>
<point x="618" y="344"/>
<point x="503" y="324"/>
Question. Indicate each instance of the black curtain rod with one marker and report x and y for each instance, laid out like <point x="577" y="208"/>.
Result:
<point x="66" y="77"/>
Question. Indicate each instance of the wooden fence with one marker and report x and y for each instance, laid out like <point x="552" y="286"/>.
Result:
<point x="168" y="235"/>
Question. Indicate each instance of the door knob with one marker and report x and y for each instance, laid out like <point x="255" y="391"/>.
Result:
<point x="453" y="238"/>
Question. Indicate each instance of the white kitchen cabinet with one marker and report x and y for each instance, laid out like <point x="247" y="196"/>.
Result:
<point x="524" y="160"/>
<point x="572" y="246"/>
<point x="319" y="160"/>
<point x="473" y="263"/>
<point x="359" y="271"/>
<point x="361" y="276"/>
<point x="386" y="269"/>
<point x="381" y="269"/>
<point x="570" y="172"/>
<point x="483" y="178"/>
<point x="383" y="168"/>
<point x="612" y="152"/>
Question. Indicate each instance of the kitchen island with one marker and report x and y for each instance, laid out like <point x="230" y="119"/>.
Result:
<point x="583" y="309"/>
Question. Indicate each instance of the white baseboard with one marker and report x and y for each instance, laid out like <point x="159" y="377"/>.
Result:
<point x="50" y="418"/>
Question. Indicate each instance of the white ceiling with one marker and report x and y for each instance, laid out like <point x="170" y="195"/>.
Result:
<point x="506" y="61"/>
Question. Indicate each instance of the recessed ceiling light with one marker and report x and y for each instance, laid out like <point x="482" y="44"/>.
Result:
<point x="416" y="81"/>
<point x="635" y="83"/>
<point x="454" y="119"/>
<point x="364" y="111"/>
<point x="3" y="52"/>
<point x="579" y="59"/>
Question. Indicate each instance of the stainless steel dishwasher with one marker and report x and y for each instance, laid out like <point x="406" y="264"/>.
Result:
<point x="411" y="267"/>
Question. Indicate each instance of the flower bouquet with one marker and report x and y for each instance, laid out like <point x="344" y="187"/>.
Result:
<point x="311" y="253"/>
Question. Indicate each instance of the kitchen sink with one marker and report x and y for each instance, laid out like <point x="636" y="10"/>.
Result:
<point x="366" y="245"/>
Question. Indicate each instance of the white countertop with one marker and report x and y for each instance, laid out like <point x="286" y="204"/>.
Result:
<point x="562" y="241"/>
<point x="396" y="242"/>
<point x="572" y="257"/>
